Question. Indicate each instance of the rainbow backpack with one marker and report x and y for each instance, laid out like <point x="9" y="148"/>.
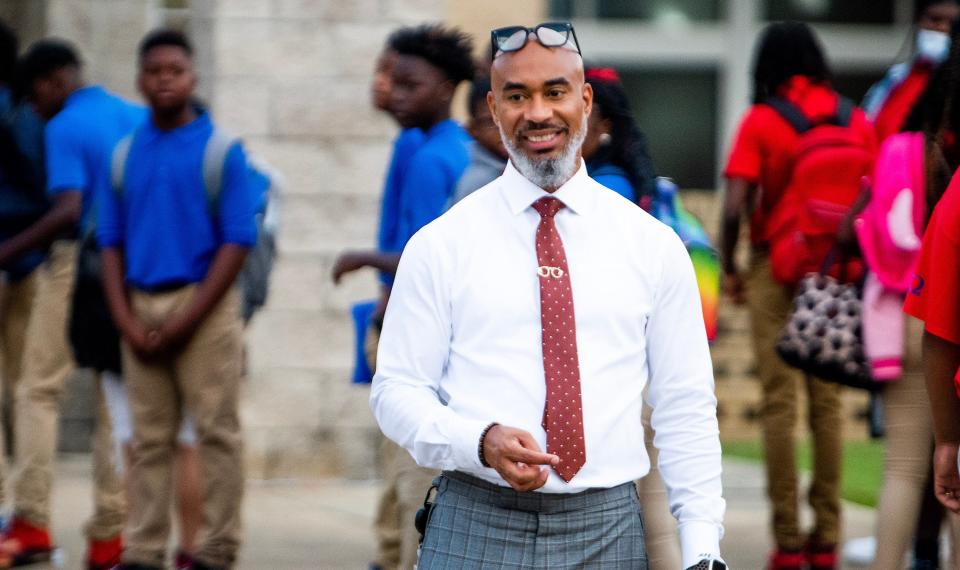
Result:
<point x="668" y="208"/>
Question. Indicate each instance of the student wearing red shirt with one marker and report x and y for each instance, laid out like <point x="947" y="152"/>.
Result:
<point x="789" y="64"/>
<point x="888" y="103"/>
<point x="935" y="299"/>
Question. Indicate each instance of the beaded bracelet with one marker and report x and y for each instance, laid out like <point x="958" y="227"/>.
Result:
<point x="483" y="436"/>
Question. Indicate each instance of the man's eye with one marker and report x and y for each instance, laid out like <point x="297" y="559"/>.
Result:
<point x="516" y="97"/>
<point x="555" y="93"/>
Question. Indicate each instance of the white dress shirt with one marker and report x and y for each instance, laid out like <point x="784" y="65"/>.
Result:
<point x="461" y="345"/>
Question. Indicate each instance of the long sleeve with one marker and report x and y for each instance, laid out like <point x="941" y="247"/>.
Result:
<point x="412" y="356"/>
<point x="684" y="407"/>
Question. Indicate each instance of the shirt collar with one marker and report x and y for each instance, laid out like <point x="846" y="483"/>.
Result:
<point x="82" y="93"/>
<point x="442" y="127"/>
<point x="576" y="194"/>
<point x="199" y="125"/>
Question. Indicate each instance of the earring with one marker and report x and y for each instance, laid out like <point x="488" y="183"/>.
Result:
<point x="605" y="138"/>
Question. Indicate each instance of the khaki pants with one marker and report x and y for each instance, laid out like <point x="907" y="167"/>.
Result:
<point x="769" y="303"/>
<point x="907" y="461"/>
<point x="48" y="364"/>
<point x="660" y="528"/>
<point x="204" y="378"/>
<point x="405" y="486"/>
<point x="16" y="304"/>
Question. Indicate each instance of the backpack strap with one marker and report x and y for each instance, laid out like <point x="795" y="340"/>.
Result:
<point x="118" y="164"/>
<point x="790" y="113"/>
<point x="214" y="162"/>
<point x="845" y="109"/>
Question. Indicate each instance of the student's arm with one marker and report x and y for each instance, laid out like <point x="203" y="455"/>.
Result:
<point x="941" y="360"/>
<point x="67" y="176"/>
<point x="735" y="202"/>
<point x="742" y="171"/>
<point x="238" y="229"/>
<point x="179" y="327"/>
<point x="134" y="331"/>
<point x="64" y="214"/>
<point x="424" y="196"/>
<point x="351" y="261"/>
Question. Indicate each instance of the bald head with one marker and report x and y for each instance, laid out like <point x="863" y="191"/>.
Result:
<point x="540" y="102"/>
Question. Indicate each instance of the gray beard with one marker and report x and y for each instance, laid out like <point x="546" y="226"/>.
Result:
<point x="548" y="173"/>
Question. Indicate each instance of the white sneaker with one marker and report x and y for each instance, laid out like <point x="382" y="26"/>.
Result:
<point x="860" y="551"/>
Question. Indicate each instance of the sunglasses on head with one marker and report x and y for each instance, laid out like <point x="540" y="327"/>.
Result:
<point x="549" y="34"/>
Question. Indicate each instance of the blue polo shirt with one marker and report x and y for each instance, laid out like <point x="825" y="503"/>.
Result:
<point x="407" y="143"/>
<point x="163" y="218"/>
<point x="80" y="140"/>
<point x="430" y="179"/>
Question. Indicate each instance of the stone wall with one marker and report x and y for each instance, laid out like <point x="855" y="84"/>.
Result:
<point x="292" y="77"/>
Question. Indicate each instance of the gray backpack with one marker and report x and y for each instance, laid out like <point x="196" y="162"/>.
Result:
<point x="254" y="277"/>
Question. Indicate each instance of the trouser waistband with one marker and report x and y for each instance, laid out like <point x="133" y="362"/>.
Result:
<point x="506" y="497"/>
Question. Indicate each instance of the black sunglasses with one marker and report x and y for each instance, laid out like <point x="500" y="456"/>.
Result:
<point x="549" y="34"/>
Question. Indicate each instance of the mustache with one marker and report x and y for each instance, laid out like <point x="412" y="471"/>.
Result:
<point x="531" y="126"/>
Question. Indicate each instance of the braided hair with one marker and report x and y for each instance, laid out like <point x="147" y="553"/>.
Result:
<point x="628" y="145"/>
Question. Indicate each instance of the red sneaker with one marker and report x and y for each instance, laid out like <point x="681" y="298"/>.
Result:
<point x="782" y="559"/>
<point x="104" y="554"/>
<point x="25" y="544"/>
<point x="822" y="557"/>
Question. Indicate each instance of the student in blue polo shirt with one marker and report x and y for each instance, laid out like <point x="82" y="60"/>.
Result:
<point x="386" y="523"/>
<point x="172" y="248"/>
<point x="84" y="122"/>
<point x="431" y="62"/>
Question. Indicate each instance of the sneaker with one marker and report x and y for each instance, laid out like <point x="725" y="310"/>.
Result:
<point x="783" y="559"/>
<point x="183" y="561"/>
<point x="822" y="557"/>
<point x="860" y="551"/>
<point x="25" y="543"/>
<point x="104" y="554"/>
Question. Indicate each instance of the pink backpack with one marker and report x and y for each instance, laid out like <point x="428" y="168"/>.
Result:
<point x="890" y="229"/>
<point x="889" y="232"/>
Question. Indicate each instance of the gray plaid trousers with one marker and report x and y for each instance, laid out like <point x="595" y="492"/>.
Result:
<point x="476" y="524"/>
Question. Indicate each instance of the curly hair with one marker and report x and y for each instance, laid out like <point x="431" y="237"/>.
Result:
<point x="447" y="49"/>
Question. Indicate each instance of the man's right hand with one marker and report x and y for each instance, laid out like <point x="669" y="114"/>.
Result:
<point x="517" y="458"/>
<point x="733" y="287"/>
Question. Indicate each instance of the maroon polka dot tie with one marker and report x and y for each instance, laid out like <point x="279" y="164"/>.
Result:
<point x="562" y="412"/>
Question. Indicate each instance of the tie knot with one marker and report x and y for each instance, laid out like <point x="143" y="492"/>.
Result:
<point x="548" y="207"/>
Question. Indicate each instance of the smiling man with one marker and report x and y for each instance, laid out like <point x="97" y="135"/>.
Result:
<point x="523" y="327"/>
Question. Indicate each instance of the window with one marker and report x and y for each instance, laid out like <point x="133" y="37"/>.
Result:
<point x="666" y="11"/>
<point x="836" y="11"/>
<point x="682" y="133"/>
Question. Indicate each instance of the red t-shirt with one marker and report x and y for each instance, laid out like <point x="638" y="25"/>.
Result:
<point x="765" y="143"/>
<point x="935" y="295"/>
<point x="900" y="102"/>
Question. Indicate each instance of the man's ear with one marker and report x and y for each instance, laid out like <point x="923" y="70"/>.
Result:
<point x="588" y="99"/>
<point x="492" y="105"/>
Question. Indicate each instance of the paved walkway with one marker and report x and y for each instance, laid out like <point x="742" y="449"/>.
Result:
<point x="293" y="525"/>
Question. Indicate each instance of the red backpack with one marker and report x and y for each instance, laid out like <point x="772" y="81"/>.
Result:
<point x="828" y="165"/>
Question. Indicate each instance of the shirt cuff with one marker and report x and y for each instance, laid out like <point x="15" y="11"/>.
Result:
<point x="698" y="540"/>
<point x="465" y="442"/>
